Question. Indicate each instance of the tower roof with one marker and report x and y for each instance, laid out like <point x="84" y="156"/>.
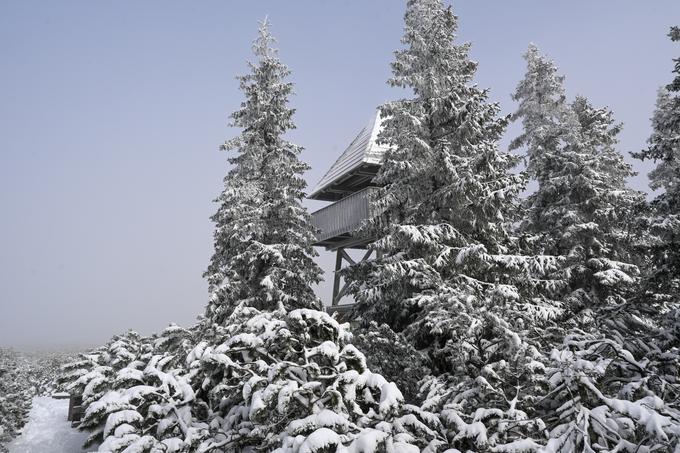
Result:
<point x="356" y="166"/>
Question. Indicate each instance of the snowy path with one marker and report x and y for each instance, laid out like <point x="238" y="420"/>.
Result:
<point x="47" y="430"/>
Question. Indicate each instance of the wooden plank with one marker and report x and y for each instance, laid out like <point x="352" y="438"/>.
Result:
<point x="336" y="277"/>
<point x="343" y="311"/>
<point x="346" y="256"/>
<point x="78" y="412"/>
<point x="339" y="296"/>
<point x="351" y="243"/>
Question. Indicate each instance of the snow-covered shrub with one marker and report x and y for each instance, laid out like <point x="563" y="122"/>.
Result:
<point x="602" y="398"/>
<point x="487" y="401"/>
<point x="16" y="393"/>
<point x="145" y="405"/>
<point x="391" y="355"/>
<point x="47" y="369"/>
<point x="264" y="379"/>
<point x="92" y="373"/>
<point x="125" y="376"/>
<point x="293" y="382"/>
<point x="269" y="380"/>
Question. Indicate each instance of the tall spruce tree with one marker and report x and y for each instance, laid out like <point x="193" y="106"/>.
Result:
<point x="605" y="384"/>
<point x="272" y="373"/>
<point x="447" y="276"/>
<point x="447" y="194"/>
<point x="582" y="207"/>
<point x="663" y="281"/>
<point x="263" y="236"/>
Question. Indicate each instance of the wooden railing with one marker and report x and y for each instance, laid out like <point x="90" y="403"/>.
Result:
<point x="344" y="216"/>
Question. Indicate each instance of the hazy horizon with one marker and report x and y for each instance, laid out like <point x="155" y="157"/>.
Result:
<point x="112" y="114"/>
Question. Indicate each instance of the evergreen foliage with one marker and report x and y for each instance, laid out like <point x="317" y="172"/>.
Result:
<point x="393" y="356"/>
<point x="92" y="373"/>
<point x="273" y="372"/>
<point x="15" y="396"/>
<point x="137" y="395"/>
<point x="22" y="377"/>
<point x="582" y="207"/>
<point x="489" y="324"/>
<point x="449" y="276"/>
<point x="610" y="387"/>
<point x="604" y="398"/>
<point x="263" y="237"/>
<point x="292" y="382"/>
<point x="663" y="281"/>
<point x="447" y="191"/>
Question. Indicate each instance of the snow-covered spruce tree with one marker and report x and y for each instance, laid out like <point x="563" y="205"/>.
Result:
<point x="607" y="389"/>
<point x="273" y="372"/>
<point x="135" y="392"/>
<point x="263" y="236"/>
<point x="663" y="280"/>
<point x="290" y="381"/>
<point x="447" y="276"/>
<point x="91" y="374"/>
<point x="582" y="209"/>
<point x="147" y="404"/>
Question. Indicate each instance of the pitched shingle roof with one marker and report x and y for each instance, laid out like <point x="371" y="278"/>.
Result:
<point x="361" y="152"/>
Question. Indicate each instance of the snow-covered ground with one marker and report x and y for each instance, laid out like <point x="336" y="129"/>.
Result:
<point x="47" y="429"/>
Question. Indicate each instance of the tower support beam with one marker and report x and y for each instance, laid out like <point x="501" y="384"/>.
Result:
<point x="341" y="257"/>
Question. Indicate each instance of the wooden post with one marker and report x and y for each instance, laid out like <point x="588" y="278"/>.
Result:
<point x="336" y="278"/>
<point x="75" y="408"/>
<point x="339" y="293"/>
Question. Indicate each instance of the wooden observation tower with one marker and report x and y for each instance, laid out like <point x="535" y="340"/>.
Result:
<point x="348" y="184"/>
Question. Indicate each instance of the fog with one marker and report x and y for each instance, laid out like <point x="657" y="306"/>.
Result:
<point x="111" y="114"/>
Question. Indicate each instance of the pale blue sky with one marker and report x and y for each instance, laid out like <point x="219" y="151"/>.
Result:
<point x="111" y="113"/>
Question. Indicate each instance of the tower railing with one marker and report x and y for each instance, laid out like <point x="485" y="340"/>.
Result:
<point x="345" y="216"/>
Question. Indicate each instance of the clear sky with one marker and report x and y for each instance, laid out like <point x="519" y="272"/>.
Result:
<point x="111" y="114"/>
